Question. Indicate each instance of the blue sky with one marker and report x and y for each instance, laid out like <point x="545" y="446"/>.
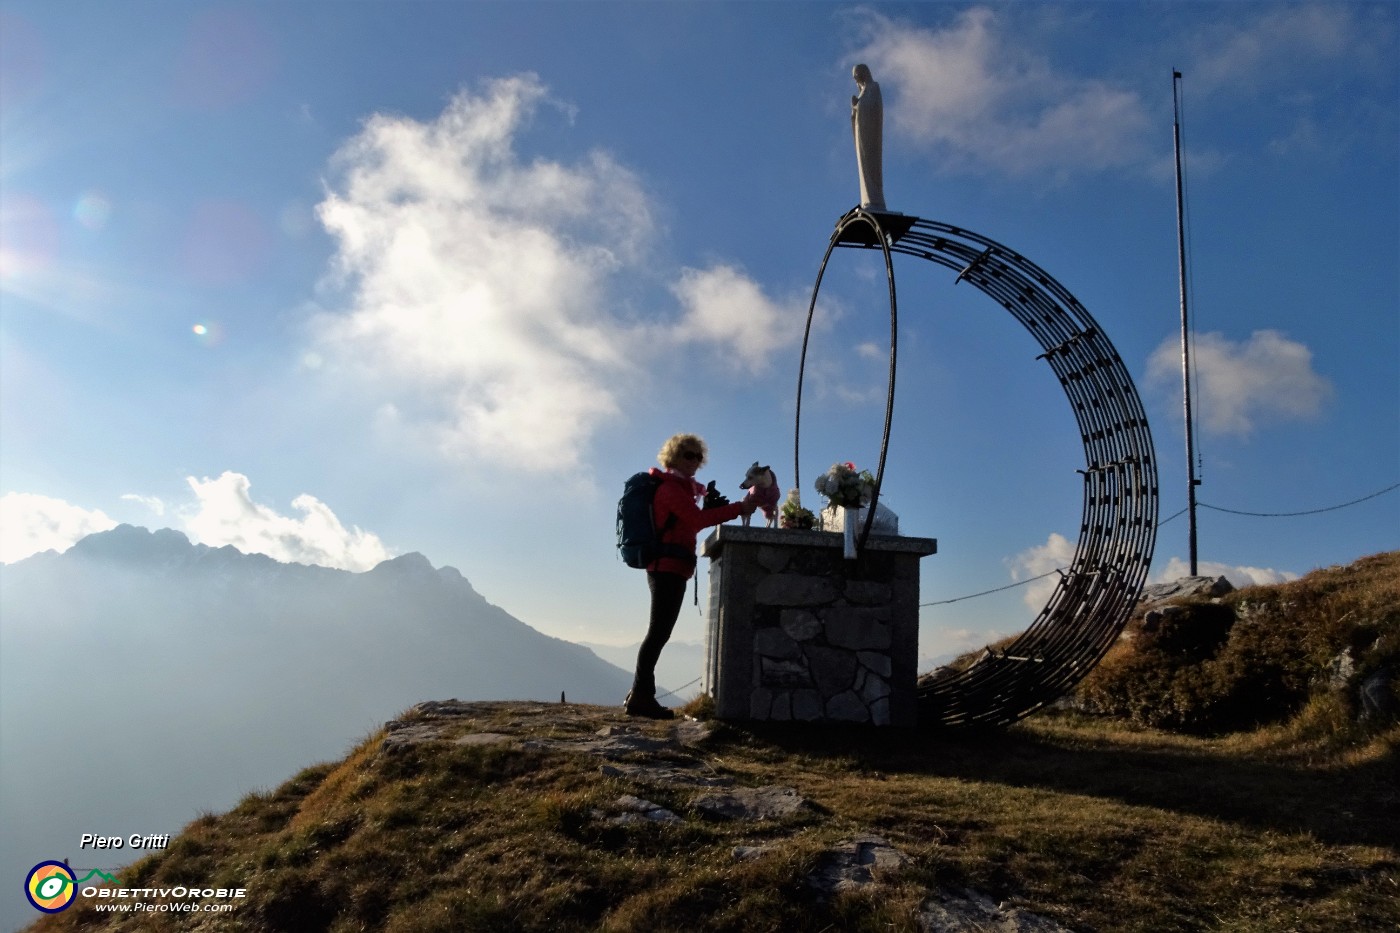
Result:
<point x="337" y="281"/>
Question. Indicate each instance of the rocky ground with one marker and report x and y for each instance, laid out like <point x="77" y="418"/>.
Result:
<point x="669" y="754"/>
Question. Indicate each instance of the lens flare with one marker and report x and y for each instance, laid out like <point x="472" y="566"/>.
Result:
<point x="29" y="238"/>
<point x="93" y="210"/>
<point x="208" y="333"/>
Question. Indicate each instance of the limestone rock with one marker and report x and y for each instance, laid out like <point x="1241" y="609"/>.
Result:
<point x="868" y="592"/>
<point x="1340" y="670"/>
<point x="637" y="810"/>
<point x="858" y="627"/>
<point x="847" y="707"/>
<point x="956" y="912"/>
<point x="671" y="774"/>
<point x="806" y="705"/>
<point x="794" y="589"/>
<point x="799" y="624"/>
<point x="854" y="863"/>
<point x="691" y="731"/>
<point x="483" y="738"/>
<point x="773" y="559"/>
<point x="777" y="672"/>
<point x="752" y="803"/>
<point x="745" y="853"/>
<point x="1155" y="617"/>
<point x="1184" y="587"/>
<point x="775" y="643"/>
<point x="875" y="662"/>
<point x="832" y="669"/>
<point x="1377" y="696"/>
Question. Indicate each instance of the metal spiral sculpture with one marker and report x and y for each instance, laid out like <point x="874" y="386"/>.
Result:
<point x="1096" y="594"/>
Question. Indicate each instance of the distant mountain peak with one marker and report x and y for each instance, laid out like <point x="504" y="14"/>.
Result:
<point x="412" y="562"/>
<point x="133" y="543"/>
<point x="168" y="549"/>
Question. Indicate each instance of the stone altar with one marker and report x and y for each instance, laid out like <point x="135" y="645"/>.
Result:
<point x="797" y="633"/>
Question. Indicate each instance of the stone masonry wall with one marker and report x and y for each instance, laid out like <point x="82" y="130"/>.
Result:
<point x="796" y="632"/>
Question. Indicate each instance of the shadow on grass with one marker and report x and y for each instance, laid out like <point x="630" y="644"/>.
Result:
<point x="1358" y="805"/>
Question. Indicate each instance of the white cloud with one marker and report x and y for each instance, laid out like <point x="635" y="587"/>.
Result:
<point x="725" y="308"/>
<point x="31" y="524"/>
<point x="478" y="278"/>
<point x="1056" y="553"/>
<point x="1239" y="577"/>
<point x="481" y="284"/>
<point x="150" y="502"/>
<point x="225" y="514"/>
<point x="1237" y="386"/>
<point x="1244" y="53"/>
<point x="1287" y="55"/>
<point x="976" y="100"/>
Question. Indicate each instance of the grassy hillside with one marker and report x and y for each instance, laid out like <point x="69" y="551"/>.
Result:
<point x="1318" y="653"/>
<point x="526" y="816"/>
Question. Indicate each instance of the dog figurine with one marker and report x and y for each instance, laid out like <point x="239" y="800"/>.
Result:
<point x="763" y="487"/>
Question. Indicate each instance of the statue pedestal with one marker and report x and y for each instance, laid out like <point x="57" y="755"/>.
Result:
<point x="797" y="633"/>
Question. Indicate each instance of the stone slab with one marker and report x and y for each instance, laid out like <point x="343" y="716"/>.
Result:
<point x="790" y="537"/>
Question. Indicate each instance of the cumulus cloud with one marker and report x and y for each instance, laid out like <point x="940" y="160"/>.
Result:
<point x="976" y="99"/>
<point x="225" y="514"/>
<point x="1056" y="553"/>
<point x="1238" y="386"/>
<point x="1239" y="577"/>
<point x="482" y="283"/>
<point x="725" y="308"/>
<point x="31" y="524"/>
<point x="478" y="277"/>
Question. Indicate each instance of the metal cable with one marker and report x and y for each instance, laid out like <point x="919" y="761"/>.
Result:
<point x="1330" y="508"/>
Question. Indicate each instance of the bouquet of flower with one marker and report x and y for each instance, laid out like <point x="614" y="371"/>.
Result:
<point x="844" y="487"/>
<point x="793" y="515"/>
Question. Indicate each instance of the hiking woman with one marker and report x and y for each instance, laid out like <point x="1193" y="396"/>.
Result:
<point x="679" y="520"/>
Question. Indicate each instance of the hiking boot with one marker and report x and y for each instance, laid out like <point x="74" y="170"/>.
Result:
<point x="646" y="706"/>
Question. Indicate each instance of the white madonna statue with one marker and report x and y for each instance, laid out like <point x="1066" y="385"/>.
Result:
<point x="867" y="126"/>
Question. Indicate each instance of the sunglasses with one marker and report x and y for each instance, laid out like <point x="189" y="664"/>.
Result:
<point x="692" y="455"/>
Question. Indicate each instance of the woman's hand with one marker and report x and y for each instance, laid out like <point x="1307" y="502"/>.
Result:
<point x="714" y="499"/>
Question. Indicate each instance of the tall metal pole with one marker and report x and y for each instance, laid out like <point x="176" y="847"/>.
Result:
<point x="1192" y="481"/>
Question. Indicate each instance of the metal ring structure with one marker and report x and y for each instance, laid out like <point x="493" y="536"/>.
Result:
<point x="1118" y="528"/>
<point x="864" y="228"/>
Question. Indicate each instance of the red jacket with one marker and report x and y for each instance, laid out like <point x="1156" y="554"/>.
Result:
<point x="676" y="496"/>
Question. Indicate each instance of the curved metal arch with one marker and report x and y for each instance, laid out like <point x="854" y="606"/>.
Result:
<point x="849" y="227"/>
<point x="1118" y="527"/>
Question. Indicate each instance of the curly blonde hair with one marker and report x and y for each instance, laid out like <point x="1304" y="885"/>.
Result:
<point x="677" y="445"/>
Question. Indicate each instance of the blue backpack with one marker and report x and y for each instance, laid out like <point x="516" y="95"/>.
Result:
<point x="638" y="539"/>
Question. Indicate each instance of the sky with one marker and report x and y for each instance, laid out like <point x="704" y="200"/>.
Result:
<point x="339" y="281"/>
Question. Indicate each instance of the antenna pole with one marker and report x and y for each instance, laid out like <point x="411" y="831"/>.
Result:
<point x="1192" y="481"/>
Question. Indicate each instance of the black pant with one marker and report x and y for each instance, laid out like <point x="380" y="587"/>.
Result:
<point x="667" y="597"/>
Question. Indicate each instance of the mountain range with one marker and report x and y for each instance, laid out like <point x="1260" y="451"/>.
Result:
<point x="145" y="679"/>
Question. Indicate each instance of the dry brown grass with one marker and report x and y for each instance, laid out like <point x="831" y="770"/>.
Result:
<point x="1099" y="824"/>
